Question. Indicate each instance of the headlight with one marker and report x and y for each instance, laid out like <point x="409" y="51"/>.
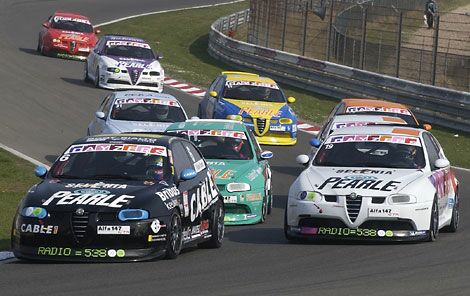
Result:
<point x="237" y="187"/>
<point x="234" y="117"/>
<point x="34" y="212"/>
<point x="310" y="196"/>
<point x="285" y="121"/>
<point x="401" y="199"/>
<point x="55" y="40"/>
<point x="133" y="214"/>
<point x="113" y="70"/>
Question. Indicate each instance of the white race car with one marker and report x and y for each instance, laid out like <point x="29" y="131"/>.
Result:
<point x="123" y="62"/>
<point x="374" y="182"/>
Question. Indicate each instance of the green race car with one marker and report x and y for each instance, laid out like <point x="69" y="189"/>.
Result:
<point x="239" y="166"/>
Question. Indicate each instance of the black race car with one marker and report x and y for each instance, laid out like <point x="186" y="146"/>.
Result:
<point x="123" y="197"/>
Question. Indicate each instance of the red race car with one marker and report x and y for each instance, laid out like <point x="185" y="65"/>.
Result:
<point x="67" y="35"/>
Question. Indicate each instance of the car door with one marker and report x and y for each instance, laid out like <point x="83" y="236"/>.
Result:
<point x="97" y="125"/>
<point x="263" y="163"/>
<point x="217" y="109"/>
<point x="439" y="177"/>
<point x="93" y="57"/>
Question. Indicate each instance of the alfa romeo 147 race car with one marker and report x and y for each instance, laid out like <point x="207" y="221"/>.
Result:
<point x="239" y="166"/>
<point x="67" y="35"/>
<point x="374" y="182"/>
<point x="376" y="107"/>
<point x="257" y="101"/>
<point x="124" y="62"/>
<point x="136" y="111"/>
<point x="125" y="197"/>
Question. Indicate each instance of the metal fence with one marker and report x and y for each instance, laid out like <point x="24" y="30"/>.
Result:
<point x="383" y="36"/>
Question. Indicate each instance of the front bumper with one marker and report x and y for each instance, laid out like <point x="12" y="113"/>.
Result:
<point x="243" y="207"/>
<point x="374" y="221"/>
<point x="62" y="239"/>
<point x="274" y="134"/>
<point x="122" y="80"/>
<point x="78" y="52"/>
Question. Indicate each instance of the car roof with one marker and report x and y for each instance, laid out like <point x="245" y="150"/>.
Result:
<point x="208" y="124"/>
<point x="70" y="14"/>
<point x="379" y="129"/>
<point x="129" y="138"/>
<point x="357" y="102"/>
<point x="128" y="94"/>
<point x="116" y="37"/>
<point x="245" y="76"/>
<point x="378" y="119"/>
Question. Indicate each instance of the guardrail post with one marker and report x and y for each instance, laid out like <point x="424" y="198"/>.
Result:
<point x="284" y="29"/>
<point x="304" y="39"/>
<point x="330" y="24"/>
<point x="398" y="54"/>
<point x="268" y="25"/>
<point x="363" y="39"/>
<point x="434" y="51"/>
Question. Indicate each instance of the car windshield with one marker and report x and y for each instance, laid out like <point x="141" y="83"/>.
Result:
<point x="270" y="93"/>
<point x="147" y="112"/>
<point x="106" y="161"/>
<point x="370" y="153"/>
<point x="70" y="25"/>
<point x="221" y="144"/>
<point x="130" y="51"/>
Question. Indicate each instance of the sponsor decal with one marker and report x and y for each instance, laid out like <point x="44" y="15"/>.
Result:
<point x="414" y="141"/>
<point x="377" y="109"/>
<point x="104" y="200"/>
<point x="199" y="165"/>
<point x="439" y="179"/>
<point x="253" y="196"/>
<point x="230" y="199"/>
<point x="113" y="229"/>
<point x="124" y="139"/>
<point x="339" y="125"/>
<point x="277" y="128"/>
<point x="257" y="111"/>
<point x="222" y="175"/>
<point x="85" y="253"/>
<point x="363" y="171"/>
<point x="204" y="225"/>
<point x="134" y="148"/>
<point x="150" y="101"/>
<point x="216" y="163"/>
<point x="99" y="185"/>
<point x="254" y="173"/>
<point x="168" y="193"/>
<point x="155" y="226"/>
<point x="73" y="37"/>
<point x="110" y="43"/>
<point x="382" y="212"/>
<point x="133" y="64"/>
<point x="203" y="198"/>
<point x="232" y="83"/>
<point x="370" y="184"/>
<point x="59" y="18"/>
<point x="156" y="238"/>
<point x="213" y="133"/>
<point x="185" y="204"/>
<point x="39" y="229"/>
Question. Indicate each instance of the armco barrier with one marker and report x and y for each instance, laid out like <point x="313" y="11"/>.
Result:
<point x="436" y="105"/>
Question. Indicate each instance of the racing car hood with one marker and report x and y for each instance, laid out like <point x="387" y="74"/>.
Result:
<point x="226" y="171"/>
<point x="257" y="109"/>
<point x="94" y="196"/>
<point x="121" y="126"/>
<point x="64" y="35"/>
<point x="362" y="181"/>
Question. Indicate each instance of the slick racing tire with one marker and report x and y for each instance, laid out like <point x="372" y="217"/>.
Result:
<point x="270" y="201"/>
<point x="174" y="237"/>
<point x="97" y="78"/>
<point x="217" y="227"/>
<point x="454" y="221"/>
<point x="264" y="210"/>
<point x="434" y="222"/>
<point x="38" y="48"/>
<point x="86" y="78"/>
<point x="289" y="237"/>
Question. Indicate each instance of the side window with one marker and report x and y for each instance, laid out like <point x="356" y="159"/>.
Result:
<point x="107" y="103"/>
<point x="335" y="111"/>
<point x="258" y="149"/>
<point x="198" y="161"/>
<point x="219" y="86"/>
<point x="180" y="158"/>
<point x="212" y="85"/>
<point x="433" y="151"/>
<point x="437" y="146"/>
<point x="325" y="130"/>
<point x="99" y="45"/>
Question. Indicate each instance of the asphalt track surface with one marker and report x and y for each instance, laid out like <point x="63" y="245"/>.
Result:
<point x="45" y="105"/>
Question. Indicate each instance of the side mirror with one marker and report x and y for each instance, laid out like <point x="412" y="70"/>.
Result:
<point x="266" y="154"/>
<point x="100" y="115"/>
<point x="194" y="118"/>
<point x="315" y="142"/>
<point x="441" y="163"/>
<point x="40" y="171"/>
<point x="188" y="174"/>
<point x="213" y="94"/>
<point x="302" y="159"/>
<point x="45" y="25"/>
<point x="97" y="31"/>
<point x="291" y="100"/>
<point x="427" y="126"/>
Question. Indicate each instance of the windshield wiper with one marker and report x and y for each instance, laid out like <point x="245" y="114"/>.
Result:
<point x="110" y="176"/>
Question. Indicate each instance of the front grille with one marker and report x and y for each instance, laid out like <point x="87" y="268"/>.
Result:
<point x="155" y="84"/>
<point x="388" y="224"/>
<point x="237" y="209"/>
<point x="115" y="81"/>
<point x="134" y="74"/>
<point x="261" y="125"/>
<point x="378" y="200"/>
<point x="353" y="206"/>
<point x="331" y="198"/>
<point x="107" y="217"/>
<point x="79" y="225"/>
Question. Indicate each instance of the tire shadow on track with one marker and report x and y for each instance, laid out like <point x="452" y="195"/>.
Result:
<point x="279" y="201"/>
<point x="77" y="81"/>
<point x="256" y="235"/>
<point x="30" y="51"/>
